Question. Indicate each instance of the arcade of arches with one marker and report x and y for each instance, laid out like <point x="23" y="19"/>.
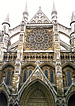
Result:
<point x="36" y="94"/>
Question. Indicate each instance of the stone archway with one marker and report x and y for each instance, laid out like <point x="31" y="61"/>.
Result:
<point x="71" y="101"/>
<point x="37" y="98"/>
<point x="37" y="94"/>
<point x="3" y="99"/>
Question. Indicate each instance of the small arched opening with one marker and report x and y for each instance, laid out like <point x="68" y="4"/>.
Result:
<point x="71" y="101"/>
<point x="3" y="99"/>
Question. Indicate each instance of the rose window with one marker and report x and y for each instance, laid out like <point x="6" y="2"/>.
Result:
<point x="39" y="39"/>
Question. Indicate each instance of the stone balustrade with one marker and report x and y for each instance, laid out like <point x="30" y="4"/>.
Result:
<point x="10" y="56"/>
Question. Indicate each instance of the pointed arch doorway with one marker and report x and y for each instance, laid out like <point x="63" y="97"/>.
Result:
<point x="71" y="101"/>
<point x="3" y="99"/>
<point x="37" y="94"/>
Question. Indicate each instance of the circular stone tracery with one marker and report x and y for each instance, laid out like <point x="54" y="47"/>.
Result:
<point x="39" y="39"/>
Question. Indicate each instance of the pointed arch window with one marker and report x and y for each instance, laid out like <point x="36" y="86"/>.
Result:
<point x="25" y="75"/>
<point x="8" y="78"/>
<point x="68" y="78"/>
<point x="46" y="73"/>
<point x="63" y="81"/>
<point x="30" y="72"/>
<point x="51" y="76"/>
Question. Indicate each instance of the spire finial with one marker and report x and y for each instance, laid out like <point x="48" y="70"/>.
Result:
<point x="39" y="7"/>
<point x="25" y="13"/>
<point x="54" y="9"/>
<point x="73" y="16"/>
<point x="26" y="8"/>
<point x="6" y="20"/>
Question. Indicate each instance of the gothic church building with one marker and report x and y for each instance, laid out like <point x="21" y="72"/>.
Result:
<point x="38" y="69"/>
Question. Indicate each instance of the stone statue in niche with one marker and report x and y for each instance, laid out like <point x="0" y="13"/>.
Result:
<point x="57" y="55"/>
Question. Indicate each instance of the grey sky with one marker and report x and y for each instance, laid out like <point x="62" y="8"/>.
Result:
<point x="15" y="9"/>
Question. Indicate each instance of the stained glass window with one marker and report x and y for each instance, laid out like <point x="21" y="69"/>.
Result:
<point x="68" y="78"/>
<point x="25" y="74"/>
<point x="39" y="39"/>
<point x="8" y="78"/>
<point x="51" y="76"/>
<point x="30" y="72"/>
<point x="63" y="81"/>
<point x="46" y="73"/>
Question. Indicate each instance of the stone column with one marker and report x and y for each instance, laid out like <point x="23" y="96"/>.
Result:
<point x="17" y="71"/>
<point x="1" y="52"/>
<point x="16" y="77"/>
<point x="57" y="59"/>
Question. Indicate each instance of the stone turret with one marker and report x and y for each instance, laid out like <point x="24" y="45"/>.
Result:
<point x="1" y="45"/>
<point x="5" y="30"/>
<point x="57" y="59"/>
<point x="72" y="35"/>
<point x="25" y="14"/>
<point x="16" y="78"/>
<point x="6" y="25"/>
<point x="54" y="13"/>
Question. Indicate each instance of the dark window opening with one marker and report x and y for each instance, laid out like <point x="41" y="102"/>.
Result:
<point x="68" y="78"/>
<point x="8" y="78"/>
<point x="25" y="74"/>
<point x="30" y="72"/>
<point x="51" y="76"/>
<point x="46" y="73"/>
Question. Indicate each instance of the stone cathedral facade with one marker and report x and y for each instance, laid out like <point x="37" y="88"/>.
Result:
<point x="38" y="69"/>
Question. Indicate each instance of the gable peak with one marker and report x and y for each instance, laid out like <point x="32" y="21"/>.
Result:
<point x="39" y="7"/>
<point x="39" y="17"/>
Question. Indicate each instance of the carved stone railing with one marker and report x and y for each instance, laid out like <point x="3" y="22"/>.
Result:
<point x="10" y="56"/>
<point x="67" y="57"/>
<point x="38" y="56"/>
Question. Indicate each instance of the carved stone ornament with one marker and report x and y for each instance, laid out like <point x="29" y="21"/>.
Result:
<point x="40" y="17"/>
<point x="39" y="39"/>
<point x="37" y="73"/>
